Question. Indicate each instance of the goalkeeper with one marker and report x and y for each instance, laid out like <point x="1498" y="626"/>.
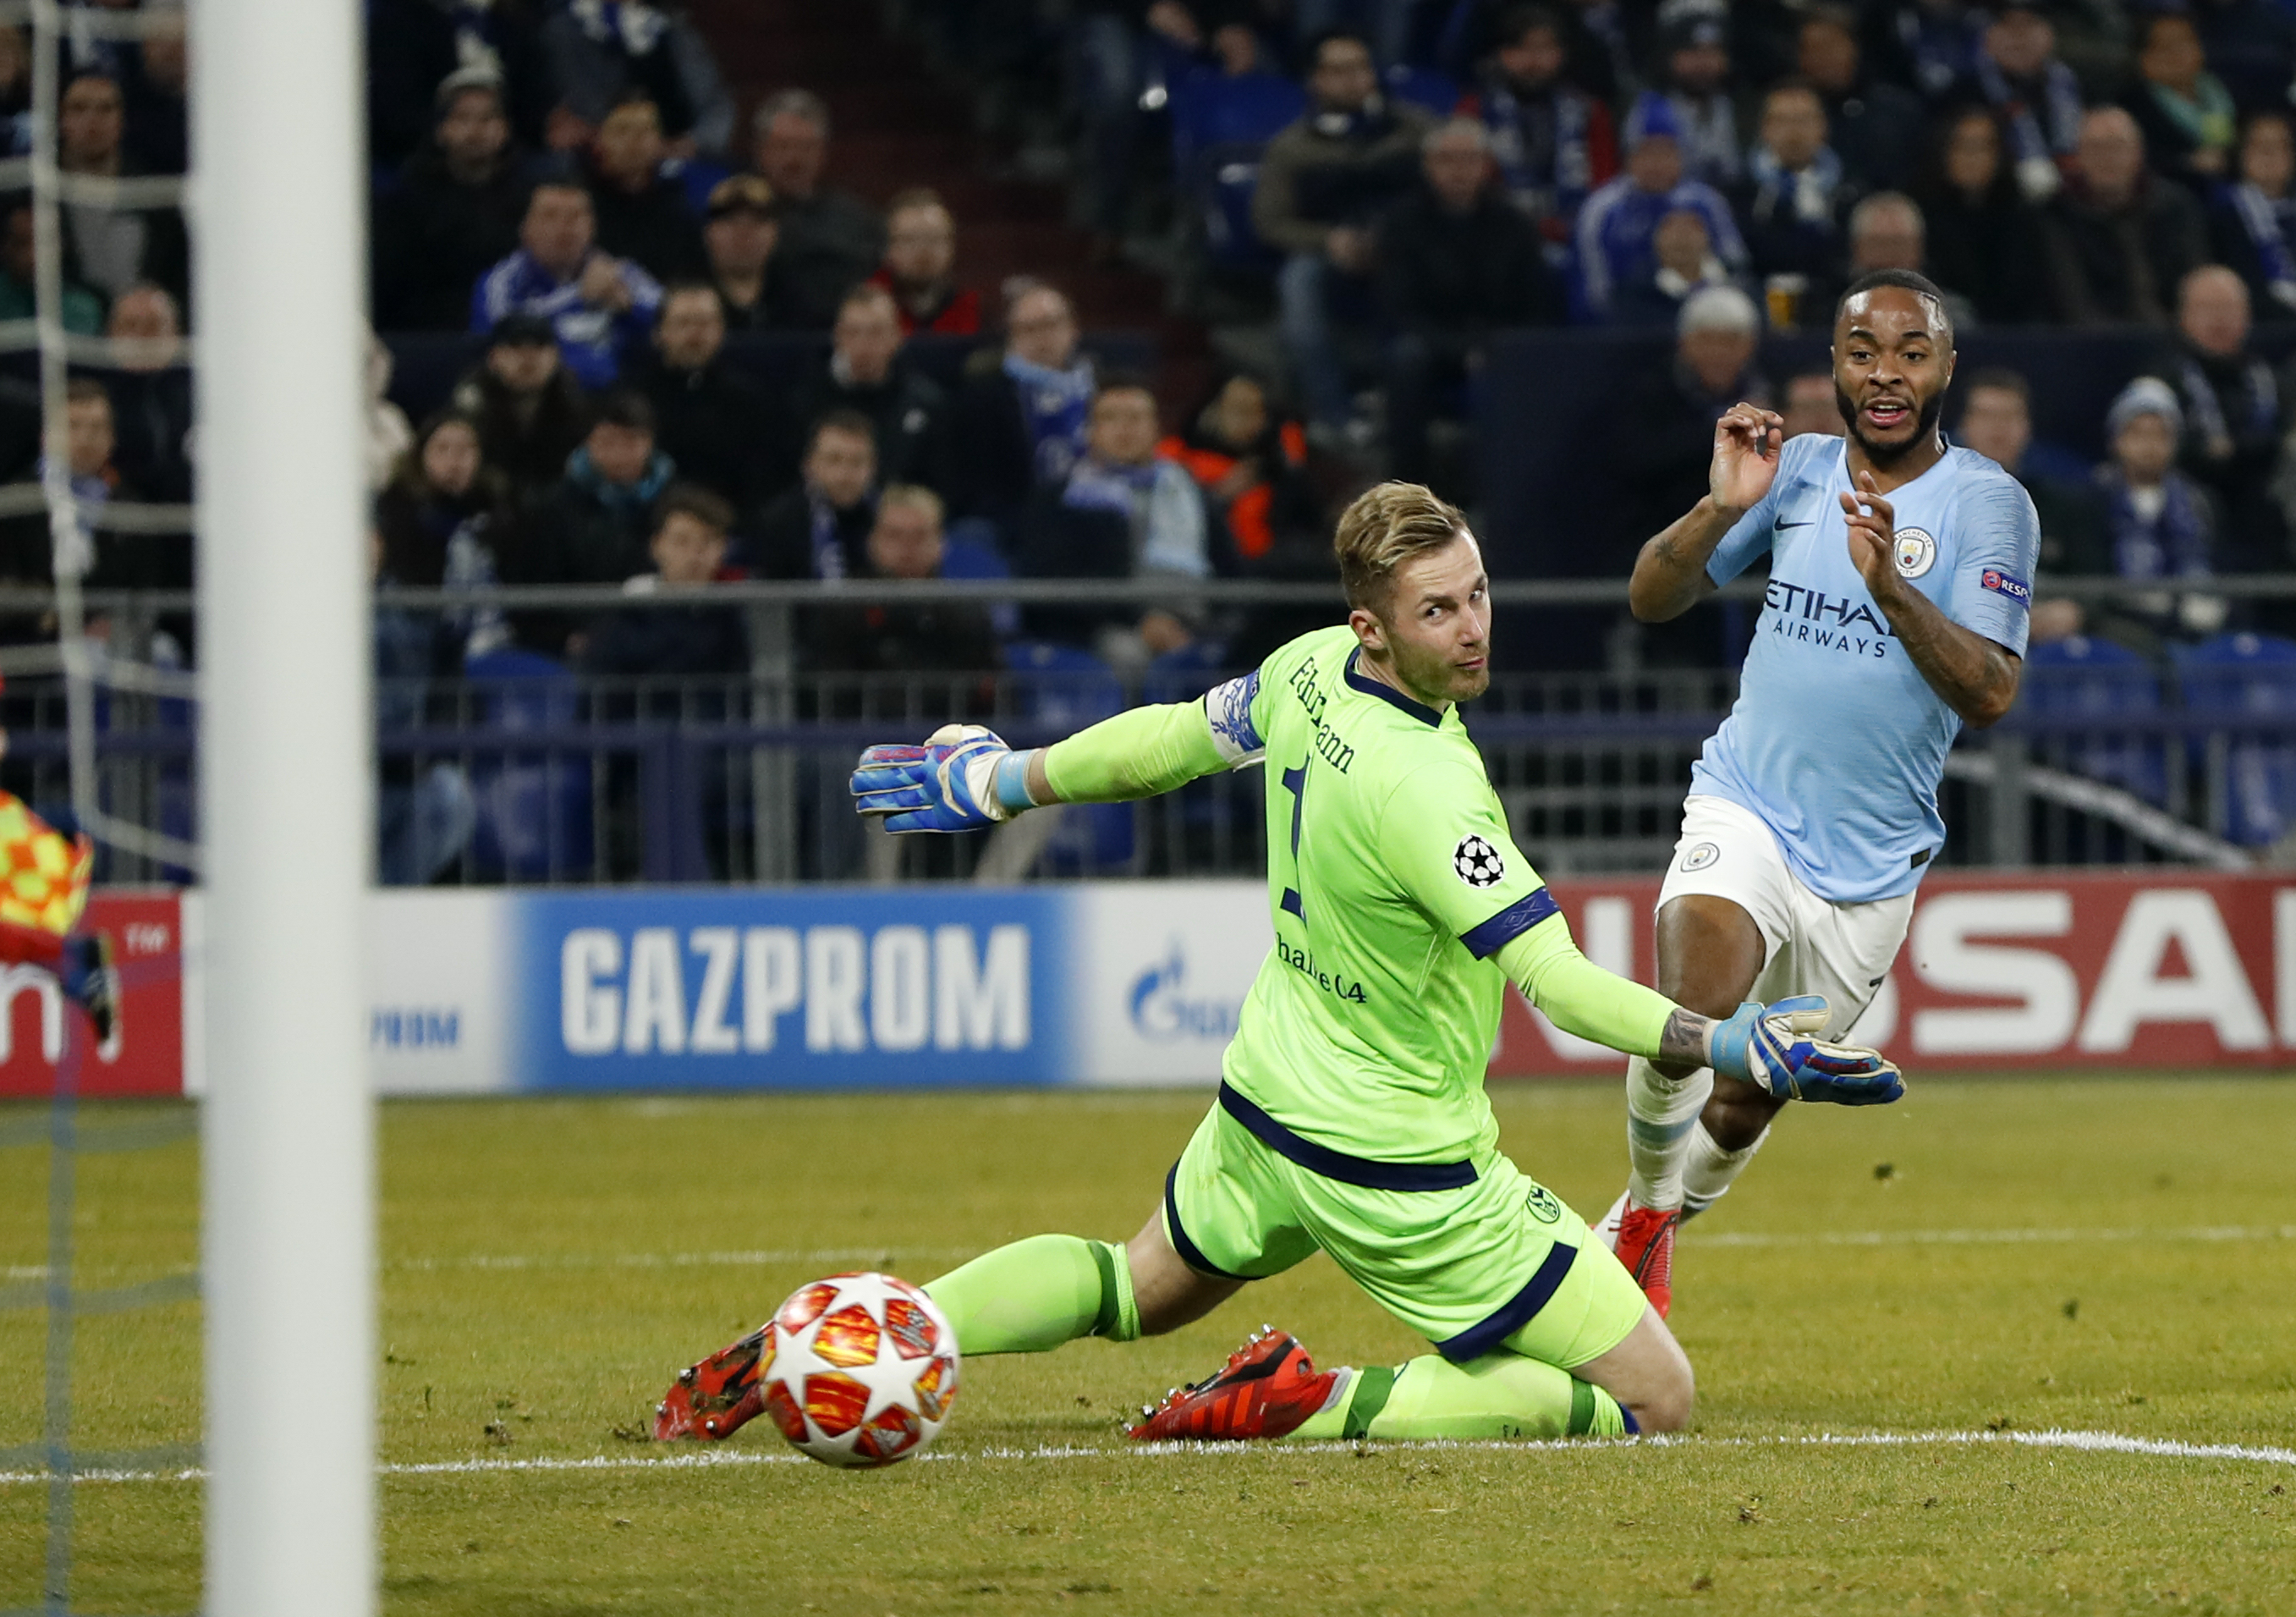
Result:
<point x="1352" y="1117"/>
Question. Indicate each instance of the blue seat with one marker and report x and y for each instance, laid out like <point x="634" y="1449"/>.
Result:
<point x="1065" y="689"/>
<point x="2248" y="675"/>
<point x="1438" y="92"/>
<point x="1186" y="674"/>
<point x="969" y="552"/>
<point x="533" y="806"/>
<point x="2097" y="681"/>
<point x="1219" y="127"/>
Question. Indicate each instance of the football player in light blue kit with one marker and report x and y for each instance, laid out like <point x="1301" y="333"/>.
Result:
<point x="1900" y="576"/>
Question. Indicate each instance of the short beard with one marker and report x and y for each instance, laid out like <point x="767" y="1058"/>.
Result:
<point x="1925" y="425"/>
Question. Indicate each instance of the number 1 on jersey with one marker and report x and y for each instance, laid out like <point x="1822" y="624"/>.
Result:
<point x="1295" y="781"/>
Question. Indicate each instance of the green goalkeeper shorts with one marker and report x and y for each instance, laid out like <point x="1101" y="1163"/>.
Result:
<point x="1475" y="1257"/>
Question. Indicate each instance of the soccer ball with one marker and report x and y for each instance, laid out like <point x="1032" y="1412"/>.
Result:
<point x="858" y="1369"/>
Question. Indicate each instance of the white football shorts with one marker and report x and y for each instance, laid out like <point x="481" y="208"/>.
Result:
<point x="1814" y="945"/>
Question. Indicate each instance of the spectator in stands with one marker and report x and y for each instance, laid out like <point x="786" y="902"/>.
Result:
<point x="900" y="637"/>
<point x="83" y="310"/>
<point x="2185" y="112"/>
<point x="593" y="527"/>
<point x="1617" y="227"/>
<point x="121" y="560"/>
<point x="2034" y="98"/>
<point x="1996" y="421"/>
<point x="1874" y="125"/>
<point x="600" y="306"/>
<point x="1608" y="43"/>
<point x="687" y="549"/>
<point x="907" y="410"/>
<point x="1982" y="236"/>
<point x="740" y="237"/>
<point x="2119" y="242"/>
<point x="15" y="93"/>
<point x="1694" y="56"/>
<point x="820" y="529"/>
<point x="1021" y="421"/>
<point x="829" y="239"/>
<point x="920" y="254"/>
<point x="156" y="85"/>
<point x="1251" y="464"/>
<point x="602" y="50"/>
<point x="530" y="411"/>
<point x="1456" y="262"/>
<point x="1887" y="231"/>
<point x="1124" y="513"/>
<point x="413" y="45"/>
<point x="2255" y="219"/>
<point x="111" y="248"/>
<point x="2234" y="415"/>
<point x="1793" y="209"/>
<point x="641" y="208"/>
<point x="452" y="212"/>
<point x="440" y="517"/>
<point x="1682" y="261"/>
<point x="388" y="434"/>
<point x="711" y="418"/>
<point x="1811" y="405"/>
<point x="1662" y="434"/>
<point x="1322" y="180"/>
<point x="2159" y="524"/>
<point x="151" y="389"/>
<point x="1554" y="142"/>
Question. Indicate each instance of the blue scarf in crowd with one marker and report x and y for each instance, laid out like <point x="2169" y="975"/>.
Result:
<point x="2173" y="544"/>
<point x="2204" y="413"/>
<point x="1161" y="502"/>
<point x="621" y="498"/>
<point x="2031" y="145"/>
<point x="2267" y="224"/>
<point x="1809" y="194"/>
<point x="1543" y="145"/>
<point x="1054" y="406"/>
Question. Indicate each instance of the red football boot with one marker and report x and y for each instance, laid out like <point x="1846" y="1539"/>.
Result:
<point x="1645" y="1245"/>
<point x="1268" y="1388"/>
<point x="716" y="1397"/>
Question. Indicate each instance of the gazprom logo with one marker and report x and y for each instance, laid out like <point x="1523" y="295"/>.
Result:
<point x="832" y="990"/>
<point x="1162" y="1008"/>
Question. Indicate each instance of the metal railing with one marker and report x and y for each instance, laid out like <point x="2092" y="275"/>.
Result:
<point x="544" y="774"/>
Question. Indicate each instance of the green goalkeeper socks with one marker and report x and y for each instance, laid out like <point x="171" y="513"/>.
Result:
<point x="1035" y="1294"/>
<point x="1497" y="1395"/>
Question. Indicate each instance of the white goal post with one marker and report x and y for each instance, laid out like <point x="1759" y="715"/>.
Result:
<point x="278" y="220"/>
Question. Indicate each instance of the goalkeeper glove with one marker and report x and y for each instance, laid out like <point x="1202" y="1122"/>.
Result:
<point x="963" y="777"/>
<point x="1776" y="1046"/>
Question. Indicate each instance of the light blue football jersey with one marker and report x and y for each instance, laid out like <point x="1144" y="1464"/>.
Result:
<point x="1836" y="741"/>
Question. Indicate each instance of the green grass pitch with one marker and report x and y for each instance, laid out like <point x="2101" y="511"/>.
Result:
<point x="1982" y="1263"/>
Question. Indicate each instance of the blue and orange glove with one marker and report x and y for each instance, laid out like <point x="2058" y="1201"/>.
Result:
<point x="1776" y="1046"/>
<point x="962" y="778"/>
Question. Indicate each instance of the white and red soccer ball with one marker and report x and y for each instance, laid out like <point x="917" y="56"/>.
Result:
<point x="858" y="1369"/>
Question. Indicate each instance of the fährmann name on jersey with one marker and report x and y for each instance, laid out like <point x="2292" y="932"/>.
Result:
<point x="1811" y="616"/>
<point x="1334" y="983"/>
<point x="1330" y="745"/>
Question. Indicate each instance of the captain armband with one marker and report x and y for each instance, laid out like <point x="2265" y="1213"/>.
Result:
<point x="1228" y="707"/>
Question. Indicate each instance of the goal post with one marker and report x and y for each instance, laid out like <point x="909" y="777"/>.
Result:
<point x="278" y="216"/>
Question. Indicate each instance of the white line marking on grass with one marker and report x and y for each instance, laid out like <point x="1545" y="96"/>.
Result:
<point x="742" y="1260"/>
<point x="2091" y="1442"/>
<point x="1986" y="1237"/>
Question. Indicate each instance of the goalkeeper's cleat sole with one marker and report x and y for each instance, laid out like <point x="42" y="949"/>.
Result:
<point x="92" y="981"/>
<point x="1645" y="1246"/>
<point x="716" y="1397"/>
<point x="1268" y="1388"/>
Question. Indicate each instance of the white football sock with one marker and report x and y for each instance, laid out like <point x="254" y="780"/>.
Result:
<point x="1661" y="1112"/>
<point x="1708" y="1169"/>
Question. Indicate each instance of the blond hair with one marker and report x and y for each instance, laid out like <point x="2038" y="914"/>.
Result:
<point x="1387" y="525"/>
<point x="916" y="497"/>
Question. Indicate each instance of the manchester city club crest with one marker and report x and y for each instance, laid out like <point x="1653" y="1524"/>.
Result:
<point x="1916" y="551"/>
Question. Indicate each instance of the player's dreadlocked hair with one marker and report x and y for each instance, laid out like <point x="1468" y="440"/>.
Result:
<point x="1387" y="525"/>
<point x="1920" y="285"/>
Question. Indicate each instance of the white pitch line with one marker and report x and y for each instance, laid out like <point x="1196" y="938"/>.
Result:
<point x="2090" y="1442"/>
<point x="1985" y="1237"/>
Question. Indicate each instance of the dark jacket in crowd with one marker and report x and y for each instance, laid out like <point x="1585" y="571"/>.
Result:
<point x="1326" y="170"/>
<point x="1452" y="278"/>
<point x="718" y="423"/>
<point x="884" y="638"/>
<point x="828" y="244"/>
<point x="668" y="642"/>
<point x="412" y="45"/>
<point x="165" y="260"/>
<point x="653" y="227"/>
<point x="151" y="426"/>
<point x="417" y="526"/>
<point x="526" y="445"/>
<point x="910" y="413"/>
<point x="2234" y="417"/>
<point x="2122" y="265"/>
<point x="1781" y="241"/>
<point x="435" y="236"/>
<point x="1876" y="130"/>
<point x="783" y="543"/>
<point x="1988" y="249"/>
<point x="587" y="530"/>
<point x="995" y="466"/>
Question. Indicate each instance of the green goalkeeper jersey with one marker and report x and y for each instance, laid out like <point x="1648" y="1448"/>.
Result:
<point x="1392" y="881"/>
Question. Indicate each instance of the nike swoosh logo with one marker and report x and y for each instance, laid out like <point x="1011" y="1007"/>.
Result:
<point x="1783" y="526"/>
